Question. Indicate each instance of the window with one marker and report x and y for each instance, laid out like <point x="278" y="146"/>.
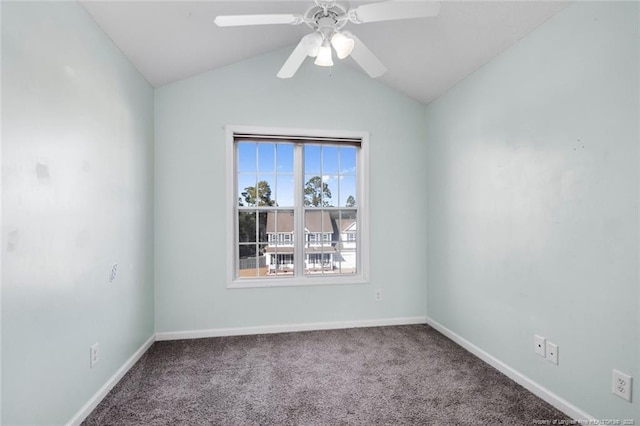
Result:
<point x="293" y="196"/>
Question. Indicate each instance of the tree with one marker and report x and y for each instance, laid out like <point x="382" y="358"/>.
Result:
<point x="259" y="195"/>
<point x="351" y="202"/>
<point x="317" y="193"/>
<point x="254" y="196"/>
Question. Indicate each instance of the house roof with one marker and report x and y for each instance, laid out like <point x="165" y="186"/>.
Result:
<point x="315" y="221"/>
<point x="347" y="225"/>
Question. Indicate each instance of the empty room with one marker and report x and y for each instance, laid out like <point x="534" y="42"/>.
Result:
<point x="320" y="212"/>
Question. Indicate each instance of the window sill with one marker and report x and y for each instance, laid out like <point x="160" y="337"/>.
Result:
<point x="297" y="282"/>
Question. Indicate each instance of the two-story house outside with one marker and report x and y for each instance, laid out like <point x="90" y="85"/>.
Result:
<point x="328" y="245"/>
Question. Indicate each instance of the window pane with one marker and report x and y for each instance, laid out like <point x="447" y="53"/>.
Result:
<point x="346" y="241"/>
<point x="347" y="191"/>
<point x="246" y="157"/>
<point x="347" y="160"/>
<point x="316" y="224"/>
<point x="317" y="193"/>
<point x="245" y="181"/>
<point x="347" y="224"/>
<point x="266" y="157"/>
<point x="312" y="159"/>
<point x="247" y="226"/>
<point x="345" y="262"/>
<point x="248" y="261"/>
<point x="279" y="227"/>
<point x="329" y="160"/>
<point x="331" y="186"/>
<point x="262" y="260"/>
<point x="279" y="251"/>
<point x="262" y="226"/>
<point x="319" y="248"/>
<point x="284" y="158"/>
<point x="262" y="193"/>
<point x="284" y="193"/>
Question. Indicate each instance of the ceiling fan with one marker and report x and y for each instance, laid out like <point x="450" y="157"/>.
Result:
<point x="328" y="18"/>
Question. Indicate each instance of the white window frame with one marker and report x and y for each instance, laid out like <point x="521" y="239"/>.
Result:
<point x="363" y="262"/>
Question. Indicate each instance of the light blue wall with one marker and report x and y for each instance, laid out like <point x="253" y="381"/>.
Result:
<point x="532" y="215"/>
<point x="77" y="196"/>
<point x="190" y="206"/>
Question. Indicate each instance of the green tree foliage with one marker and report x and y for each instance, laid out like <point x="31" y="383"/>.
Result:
<point x="351" y="202"/>
<point x="317" y="193"/>
<point x="259" y="195"/>
<point x="253" y="196"/>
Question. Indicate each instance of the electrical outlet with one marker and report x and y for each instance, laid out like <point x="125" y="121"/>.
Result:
<point x="93" y="353"/>
<point x="622" y="385"/>
<point x="540" y="345"/>
<point x="378" y="295"/>
<point x="552" y="352"/>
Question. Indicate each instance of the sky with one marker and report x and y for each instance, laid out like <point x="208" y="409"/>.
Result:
<point x="273" y="163"/>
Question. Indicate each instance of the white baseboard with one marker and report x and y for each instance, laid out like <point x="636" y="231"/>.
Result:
<point x="113" y="380"/>
<point x="285" y="328"/>
<point x="538" y="390"/>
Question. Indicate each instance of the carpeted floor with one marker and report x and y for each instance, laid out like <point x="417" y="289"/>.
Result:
<point x="404" y="375"/>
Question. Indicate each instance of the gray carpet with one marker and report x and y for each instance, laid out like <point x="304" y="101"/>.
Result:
<point x="405" y="375"/>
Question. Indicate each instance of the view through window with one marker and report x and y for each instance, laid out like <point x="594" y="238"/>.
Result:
<point x="297" y="208"/>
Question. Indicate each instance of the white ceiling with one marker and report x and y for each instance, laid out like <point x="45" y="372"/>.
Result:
<point x="172" y="40"/>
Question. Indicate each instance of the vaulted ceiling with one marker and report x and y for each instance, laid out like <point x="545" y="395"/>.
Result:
<point x="171" y="40"/>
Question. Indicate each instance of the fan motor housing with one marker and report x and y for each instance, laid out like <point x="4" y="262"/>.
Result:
<point x="317" y="18"/>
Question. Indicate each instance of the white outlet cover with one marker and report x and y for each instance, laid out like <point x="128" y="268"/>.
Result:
<point x="540" y="345"/>
<point x="622" y="385"/>
<point x="94" y="355"/>
<point x="552" y="352"/>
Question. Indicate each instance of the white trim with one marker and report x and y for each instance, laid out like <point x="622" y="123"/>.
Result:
<point x="300" y="279"/>
<point x="533" y="387"/>
<point x="293" y="132"/>
<point x="364" y="209"/>
<point x="232" y="249"/>
<point x="93" y="402"/>
<point x="286" y="328"/>
<point x="307" y="281"/>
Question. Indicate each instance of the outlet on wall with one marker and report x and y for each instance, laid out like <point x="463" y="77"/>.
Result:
<point x="377" y="295"/>
<point x="540" y="345"/>
<point x="552" y="352"/>
<point x="622" y="385"/>
<point x="93" y="355"/>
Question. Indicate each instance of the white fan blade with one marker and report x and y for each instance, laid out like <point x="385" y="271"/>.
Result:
<point x="366" y="59"/>
<point x="238" y="20"/>
<point x="390" y="10"/>
<point x="296" y="59"/>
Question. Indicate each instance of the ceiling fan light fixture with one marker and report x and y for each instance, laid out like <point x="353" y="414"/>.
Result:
<point x="324" y="56"/>
<point x="343" y="44"/>
<point x="312" y="43"/>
